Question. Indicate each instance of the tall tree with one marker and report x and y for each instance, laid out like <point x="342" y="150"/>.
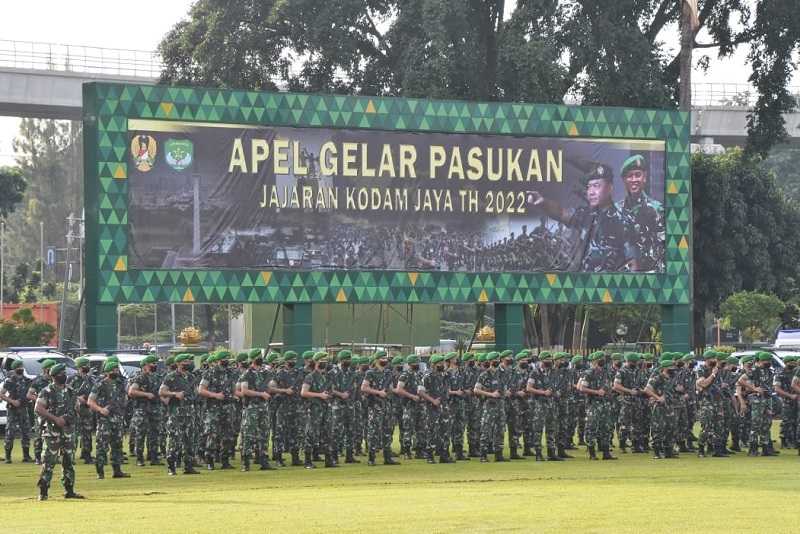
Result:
<point x="12" y="187"/>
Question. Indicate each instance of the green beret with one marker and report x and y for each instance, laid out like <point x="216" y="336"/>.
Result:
<point x="16" y="364"/>
<point x="149" y="359"/>
<point x="480" y="356"/>
<point x="223" y="355"/>
<point x="242" y="357"/>
<point x="764" y="356"/>
<point x="617" y="356"/>
<point x="558" y="356"/>
<point x="290" y="356"/>
<point x="344" y="355"/>
<point x="467" y="356"/>
<point x="113" y="358"/>
<point x="522" y="355"/>
<point x="110" y="366"/>
<point x="252" y="353"/>
<point x="577" y="359"/>
<point x="272" y="356"/>
<point x="412" y="358"/>
<point x="308" y="355"/>
<point x="508" y="353"/>
<point x="599" y="171"/>
<point x="491" y="356"/>
<point x="436" y="358"/>
<point x="186" y="357"/>
<point x="171" y="359"/>
<point x="732" y="360"/>
<point x="320" y="356"/>
<point x="380" y="354"/>
<point x="48" y="363"/>
<point x="545" y="355"/>
<point x="748" y="358"/>
<point x="789" y="359"/>
<point x="688" y="357"/>
<point x="664" y="364"/>
<point x="648" y="356"/>
<point x="80" y="362"/>
<point x="631" y="357"/>
<point x="57" y="369"/>
<point x="398" y="360"/>
<point x="709" y="355"/>
<point x="597" y="355"/>
<point x="635" y="162"/>
<point x="204" y="358"/>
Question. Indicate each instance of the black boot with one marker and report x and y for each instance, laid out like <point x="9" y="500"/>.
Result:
<point x="171" y="466"/>
<point x="701" y="451"/>
<point x="371" y="458"/>
<point x="592" y="453"/>
<point x="552" y="456"/>
<point x="753" y="450"/>
<point x="296" y="458"/>
<point x="226" y="463"/>
<point x="210" y="462"/>
<point x="514" y="455"/>
<point x="264" y="463"/>
<point x="309" y="464"/>
<point x="387" y="458"/>
<point x="245" y="464"/>
<point x="607" y="454"/>
<point x="69" y="492"/>
<point x="42" y="490"/>
<point x="429" y="458"/>
<point x="87" y="458"/>
<point x="139" y="460"/>
<point x="26" y="456"/>
<point x="37" y="458"/>
<point x="154" y="460"/>
<point x="350" y="459"/>
<point x="527" y="452"/>
<point x="562" y="453"/>
<point x="657" y="453"/>
<point x="498" y="456"/>
<point x="317" y="457"/>
<point x="539" y="456"/>
<point x="460" y="456"/>
<point x="188" y="468"/>
<point x="719" y="451"/>
<point x="474" y="452"/>
<point x="8" y="456"/>
<point x="101" y="474"/>
<point x="118" y="472"/>
<point x="484" y="459"/>
<point x="771" y="449"/>
<point x="682" y="447"/>
<point x="767" y="451"/>
<point x="279" y="460"/>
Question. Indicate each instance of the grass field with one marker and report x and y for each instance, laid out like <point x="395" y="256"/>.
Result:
<point x="634" y="494"/>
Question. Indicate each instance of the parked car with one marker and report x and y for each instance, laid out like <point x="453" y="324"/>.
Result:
<point x="3" y="408"/>
<point x="32" y="358"/>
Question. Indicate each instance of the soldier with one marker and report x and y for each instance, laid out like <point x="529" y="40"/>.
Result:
<point x="455" y="405"/>
<point x="412" y="434"/>
<point x="55" y="406"/>
<point x="271" y="361"/>
<point x="218" y="391"/>
<point x="81" y="384"/>
<point x="660" y="390"/>
<point x="375" y="387"/>
<point x="106" y="401"/>
<point x="37" y="385"/>
<point x="796" y="392"/>
<point x="710" y="411"/>
<point x="577" y="403"/>
<point x="519" y="410"/>
<point x="288" y="393"/>
<point x="316" y="390"/>
<point x="540" y="387"/>
<point x="175" y="391"/>
<point x="783" y="387"/>
<point x="758" y="388"/>
<point x="689" y="378"/>
<point x="645" y="214"/>
<point x="626" y="385"/>
<point x="606" y="239"/>
<point x="302" y="408"/>
<point x="596" y="385"/>
<point x="730" y="424"/>
<point x="345" y="389"/>
<point x="143" y="389"/>
<point x="254" y="388"/>
<point x="397" y="408"/>
<point x="472" y="409"/>
<point x="13" y="392"/>
<point x="361" y="364"/>
<point x="681" y="400"/>
<point x="561" y="389"/>
<point x="490" y="389"/>
<point x="242" y="364"/>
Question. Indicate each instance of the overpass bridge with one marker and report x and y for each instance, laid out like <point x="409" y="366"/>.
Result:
<point x="44" y="80"/>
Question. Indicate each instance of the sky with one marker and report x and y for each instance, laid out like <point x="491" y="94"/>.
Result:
<point x="96" y="23"/>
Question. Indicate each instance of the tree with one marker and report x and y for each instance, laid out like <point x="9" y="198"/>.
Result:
<point x="745" y="234"/>
<point x="12" y="187"/>
<point x="23" y="330"/>
<point x="754" y="314"/>
<point x="604" y="53"/>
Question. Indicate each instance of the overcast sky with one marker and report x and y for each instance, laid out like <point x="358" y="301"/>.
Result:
<point x="141" y="24"/>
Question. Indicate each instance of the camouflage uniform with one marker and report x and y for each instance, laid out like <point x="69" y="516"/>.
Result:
<point x="81" y="385"/>
<point x="606" y="239"/>
<point x="435" y="385"/>
<point x="110" y="428"/>
<point x="287" y="418"/>
<point x="561" y="388"/>
<point x="344" y="410"/>
<point x="761" y="408"/>
<point x="36" y="386"/>
<point x="147" y="416"/>
<point x="629" y="420"/>
<point x="455" y="377"/>
<point x="59" y="401"/>
<point x="412" y="434"/>
<point x="255" y="419"/>
<point x="731" y="423"/>
<point x="319" y="422"/>
<point x="17" y="423"/>
<point x="519" y="413"/>
<point x="599" y="419"/>
<point x="663" y="416"/>
<point x="218" y="421"/>
<point x="180" y="443"/>
<point x="710" y="412"/>
<point x="378" y="413"/>
<point x="472" y="409"/>
<point x="544" y="411"/>
<point x="646" y="217"/>
<point x="491" y="413"/>
<point x="789" y="411"/>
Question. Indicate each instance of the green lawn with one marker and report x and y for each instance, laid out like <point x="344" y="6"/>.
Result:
<point x="634" y="494"/>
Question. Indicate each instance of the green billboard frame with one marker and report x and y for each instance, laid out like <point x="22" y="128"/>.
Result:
<point x="108" y="107"/>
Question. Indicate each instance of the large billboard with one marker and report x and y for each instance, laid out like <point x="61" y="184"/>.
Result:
<point x="209" y="195"/>
<point x="205" y="196"/>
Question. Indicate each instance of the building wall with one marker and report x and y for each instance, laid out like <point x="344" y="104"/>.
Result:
<point x="359" y="323"/>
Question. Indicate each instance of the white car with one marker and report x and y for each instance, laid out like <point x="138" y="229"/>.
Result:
<point x="32" y="358"/>
<point x="3" y="408"/>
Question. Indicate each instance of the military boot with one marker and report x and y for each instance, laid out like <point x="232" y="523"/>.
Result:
<point x="527" y="451"/>
<point x="552" y="456"/>
<point x="538" y="453"/>
<point x="701" y="451"/>
<point x="371" y="458"/>
<point x="607" y="454"/>
<point x="8" y="456"/>
<point x="474" y="451"/>
<point x="387" y="458"/>
<point x="37" y="457"/>
<point x="766" y="450"/>
<point x="87" y="458"/>
<point x="657" y="453"/>
<point x="118" y="472"/>
<point x="350" y="459"/>
<point x="670" y="453"/>
<point x="296" y="458"/>
<point x="460" y="455"/>
<point x="309" y="457"/>
<point x="245" y="464"/>
<point x="26" y="456"/>
<point x="101" y="474"/>
<point x="139" y="460"/>
<point x="154" y="460"/>
<point x="171" y="466"/>
<point x="498" y="456"/>
<point x="682" y="447"/>
<point x="484" y="459"/>
<point x="419" y="454"/>
<point x="226" y="463"/>
<point x="42" y="490"/>
<point x="69" y="492"/>
<point x="772" y="449"/>
<point x="279" y="460"/>
<point x="514" y="455"/>
<point x="592" y="453"/>
<point x="263" y="461"/>
<point x="753" y="450"/>
<point x="562" y="453"/>
<point x="210" y="462"/>
<point x="317" y="457"/>
<point x="188" y="469"/>
<point x="719" y="451"/>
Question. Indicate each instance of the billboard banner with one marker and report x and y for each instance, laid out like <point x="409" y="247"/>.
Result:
<point x="234" y="196"/>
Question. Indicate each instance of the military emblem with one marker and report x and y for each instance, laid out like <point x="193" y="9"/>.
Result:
<point x="143" y="152"/>
<point x="178" y="153"/>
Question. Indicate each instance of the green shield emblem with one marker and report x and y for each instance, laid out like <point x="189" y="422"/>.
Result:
<point x="178" y="153"/>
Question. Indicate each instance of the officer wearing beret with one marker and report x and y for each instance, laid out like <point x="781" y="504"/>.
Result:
<point x="37" y="385"/>
<point x="758" y="388"/>
<point x="143" y="390"/>
<point x="596" y="384"/>
<point x="660" y="390"/>
<point x="176" y="391"/>
<point x="472" y="408"/>
<point x="644" y="213"/>
<point x="606" y="241"/>
<point x="255" y="393"/>
<point x="18" y="425"/>
<point x="783" y="387"/>
<point x="412" y="431"/>
<point x="345" y="394"/>
<point x="489" y="388"/>
<point x="55" y="406"/>
<point x="107" y="401"/>
<point x="81" y="384"/>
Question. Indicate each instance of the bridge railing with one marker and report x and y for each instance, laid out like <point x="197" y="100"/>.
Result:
<point x="729" y="94"/>
<point x="78" y="58"/>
